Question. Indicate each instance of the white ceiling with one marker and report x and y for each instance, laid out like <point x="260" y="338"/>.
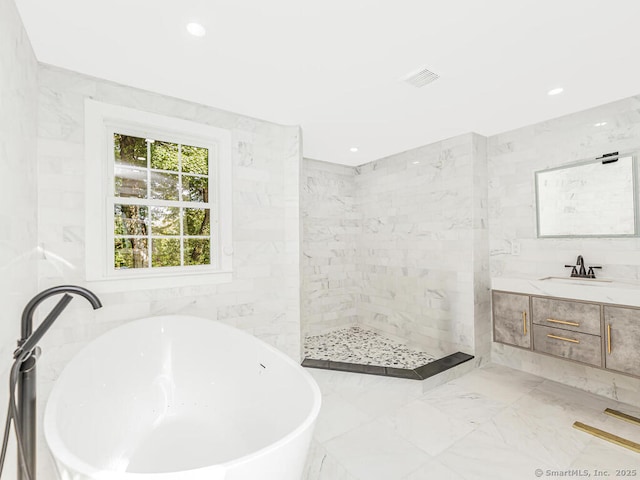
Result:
<point x="334" y="66"/>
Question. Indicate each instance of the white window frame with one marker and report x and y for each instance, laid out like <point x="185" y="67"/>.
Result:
<point x="101" y="121"/>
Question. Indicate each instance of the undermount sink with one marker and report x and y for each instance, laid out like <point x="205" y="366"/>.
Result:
<point x="595" y="282"/>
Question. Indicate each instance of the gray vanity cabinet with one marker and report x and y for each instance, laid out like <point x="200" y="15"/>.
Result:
<point x="597" y="334"/>
<point x="511" y="319"/>
<point x="622" y="339"/>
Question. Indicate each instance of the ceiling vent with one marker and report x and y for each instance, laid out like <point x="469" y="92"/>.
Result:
<point x="421" y="78"/>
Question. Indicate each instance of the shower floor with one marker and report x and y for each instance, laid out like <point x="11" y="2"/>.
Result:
<point x="364" y="347"/>
<point x="359" y="350"/>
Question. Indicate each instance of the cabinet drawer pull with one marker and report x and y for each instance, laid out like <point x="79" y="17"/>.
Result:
<point x="609" y="339"/>
<point x="563" y="322"/>
<point x="524" y="323"/>
<point x="563" y="338"/>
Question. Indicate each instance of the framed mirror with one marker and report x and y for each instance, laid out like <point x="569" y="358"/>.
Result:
<point x="595" y="198"/>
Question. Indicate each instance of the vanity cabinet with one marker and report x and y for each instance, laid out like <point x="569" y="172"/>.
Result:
<point x="597" y="334"/>
<point x="622" y="339"/>
<point x="511" y="319"/>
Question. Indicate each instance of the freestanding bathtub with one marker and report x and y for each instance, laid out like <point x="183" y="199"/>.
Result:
<point x="180" y="397"/>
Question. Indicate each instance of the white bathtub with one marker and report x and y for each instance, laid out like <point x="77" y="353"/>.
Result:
<point x="180" y="397"/>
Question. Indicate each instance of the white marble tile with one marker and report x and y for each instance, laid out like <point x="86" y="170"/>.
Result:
<point x="321" y="466"/>
<point x="382" y="394"/>
<point x="505" y="441"/>
<point x="336" y="417"/>
<point x="427" y="427"/>
<point x="373" y="451"/>
<point x="406" y="207"/>
<point x="563" y="403"/>
<point x="460" y="403"/>
<point x="331" y="381"/>
<point x="433" y="470"/>
<point x="617" y="462"/>
<point x="486" y="381"/>
<point x="551" y="440"/>
<point x="485" y="453"/>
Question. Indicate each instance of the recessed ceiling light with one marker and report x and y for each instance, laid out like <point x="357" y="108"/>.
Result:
<point x="600" y="124"/>
<point x="416" y="162"/>
<point x="353" y="149"/>
<point x="555" y="91"/>
<point x="196" y="29"/>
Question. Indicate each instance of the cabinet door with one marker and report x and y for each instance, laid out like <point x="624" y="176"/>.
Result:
<point x="511" y="319"/>
<point x="622" y="339"/>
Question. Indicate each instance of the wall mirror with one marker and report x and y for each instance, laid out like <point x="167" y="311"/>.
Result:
<point x="595" y="198"/>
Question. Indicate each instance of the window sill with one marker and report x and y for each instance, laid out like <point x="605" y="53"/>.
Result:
<point x="122" y="284"/>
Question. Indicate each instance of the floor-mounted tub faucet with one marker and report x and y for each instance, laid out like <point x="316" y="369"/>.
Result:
<point x="26" y="356"/>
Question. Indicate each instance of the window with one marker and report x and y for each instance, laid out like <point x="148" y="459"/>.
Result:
<point x="159" y="197"/>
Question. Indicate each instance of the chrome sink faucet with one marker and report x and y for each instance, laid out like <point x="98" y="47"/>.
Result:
<point x="579" y="271"/>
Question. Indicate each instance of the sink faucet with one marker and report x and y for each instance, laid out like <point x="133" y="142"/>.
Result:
<point x="27" y="354"/>
<point x="580" y="263"/>
<point x="578" y="270"/>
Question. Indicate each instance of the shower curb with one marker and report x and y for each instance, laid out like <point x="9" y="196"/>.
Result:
<point x="420" y="373"/>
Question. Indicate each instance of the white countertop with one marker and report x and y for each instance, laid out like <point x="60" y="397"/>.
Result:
<point x="599" y="290"/>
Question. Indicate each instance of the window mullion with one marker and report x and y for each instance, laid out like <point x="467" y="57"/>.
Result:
<point x="159" y="203"/>
<point x="149" y="238"/>
<point x="181" y="213"/>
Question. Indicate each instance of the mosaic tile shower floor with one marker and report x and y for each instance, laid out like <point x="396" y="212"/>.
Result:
<point x="364" y="347"/>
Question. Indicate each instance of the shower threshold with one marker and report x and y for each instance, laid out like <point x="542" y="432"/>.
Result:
<point x="358" y="350"/>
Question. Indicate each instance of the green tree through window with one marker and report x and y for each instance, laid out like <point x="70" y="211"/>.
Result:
<point x="162" y="215"/>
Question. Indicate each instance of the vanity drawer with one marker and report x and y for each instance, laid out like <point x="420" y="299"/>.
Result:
<point x="580" y="347"/>
<point x="567" y="315"/>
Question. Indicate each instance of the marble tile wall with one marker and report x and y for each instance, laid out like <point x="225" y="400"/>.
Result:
<point x="481" y="275"/>
<point x="513" y="157"/>
<point x="264" y="296"/>
<point x="331" y="227"/>
<point x="419" y="253"/>
<point x="400" y="245"/>
<point x="18" y="233"/>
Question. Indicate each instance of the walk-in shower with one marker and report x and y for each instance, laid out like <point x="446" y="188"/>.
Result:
<point x="392" y="276"/>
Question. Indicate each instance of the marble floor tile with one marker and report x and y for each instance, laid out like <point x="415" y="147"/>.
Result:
<point x="334" y="381"/>
<point x="499" y="383"/>
<point x="551" y="401"/>
<point x="433" y="470"/>
<point x="553" y="441"/>
<point x="463" y="404"/>
<point x="321" y="466"/>
<point x="374" y="451"/>
<point x="336" y="417"/>
<point x="492" y="423"/>
<point x="486" y="454"/>
<point x="603" y="456"/>
<point x="382" y="396"/>
<point x="427" y="427"/>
